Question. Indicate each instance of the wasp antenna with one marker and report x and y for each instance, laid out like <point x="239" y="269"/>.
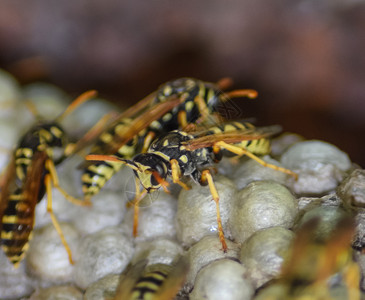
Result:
<point x="241" y="93"/>
<point x="100" y="157"/>
<point x="224" y="83"/>
<point x="86" y="96"/>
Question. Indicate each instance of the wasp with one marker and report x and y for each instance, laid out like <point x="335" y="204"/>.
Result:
<point x="179" y="154"/>
<point x="155" y="281"/>
<point x="312" y="260"/>
<point x="28" y="177"/>
<point x="198" y="101"/>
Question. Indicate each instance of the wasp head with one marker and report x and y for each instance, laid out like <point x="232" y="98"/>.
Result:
<point x="151" y="169"/>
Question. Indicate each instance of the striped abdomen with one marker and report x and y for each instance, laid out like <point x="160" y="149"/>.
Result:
<point x="97" y="174"/>
<point x="259" y="146"/>
<point x="17" y="226"/>
<point x="147" y="286"/>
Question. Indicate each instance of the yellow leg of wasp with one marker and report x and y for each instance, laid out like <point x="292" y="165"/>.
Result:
<point x="182" y="119"/>
<point x="176" y="174"/>
<point x="52" y="170"/>
<point x="147" y="141"/>
<point x="56" y="224"/>
<point x="240" y="151"/>
<point x="202" y="106"/>
<point x="208" y="177"/>
<point x="135" y="202"/>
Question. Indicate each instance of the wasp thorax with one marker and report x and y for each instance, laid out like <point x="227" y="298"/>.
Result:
<point x="151" y="169"/>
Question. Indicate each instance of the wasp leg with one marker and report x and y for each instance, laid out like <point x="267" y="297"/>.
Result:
<point x="202" y="106"/>
<point x="52" y="170"/>
<point x="176" y="174"/>
<point x="240" y="151"/>
<point x="182" y="119"/>
<point x="206" y="176"/>
<point x="135" y="203"/>
<point x="56" y="224"/>
<point x="147" y="141"/>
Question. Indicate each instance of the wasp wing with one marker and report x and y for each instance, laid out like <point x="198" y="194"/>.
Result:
<point x="5" y="182"/>
<point x="206" y="139"/>
<point x="140" y="123"/>
<point x="30" y="195"/>
<point x="18" y="215"/>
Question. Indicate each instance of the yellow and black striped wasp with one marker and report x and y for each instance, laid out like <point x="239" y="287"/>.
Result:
<point x="179" y="154"/>
<point x="198" y="101"/>
<point x="153" y="282"/>
<point x="30" y="174"/>
<point x="313" y="259"/>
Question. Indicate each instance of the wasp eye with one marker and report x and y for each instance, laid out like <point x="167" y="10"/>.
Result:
<point x="154" y="181"/>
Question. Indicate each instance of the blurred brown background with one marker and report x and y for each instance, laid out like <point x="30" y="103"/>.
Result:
<point x="306" y="58"/>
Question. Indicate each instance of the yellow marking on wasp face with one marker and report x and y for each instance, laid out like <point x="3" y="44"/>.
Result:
<point x="144" y="176"/>
<point x="183" y="158"/>
<point x="56" y="131"/>
<point x="189" y="105"/>
<point x="165" y="143"/>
